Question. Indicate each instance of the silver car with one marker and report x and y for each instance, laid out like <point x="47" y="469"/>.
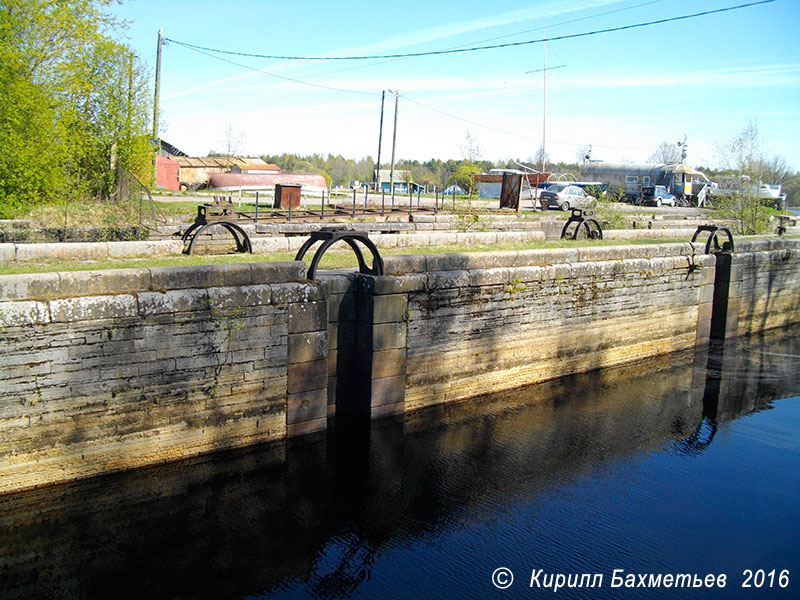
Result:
<point x="565" y="196"/>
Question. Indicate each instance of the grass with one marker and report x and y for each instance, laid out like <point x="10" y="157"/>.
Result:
<point x="80" y="214"/>
<point x="333" y="259"/>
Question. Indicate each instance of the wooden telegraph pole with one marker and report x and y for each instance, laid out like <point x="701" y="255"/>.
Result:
<point x="156" y="96"/>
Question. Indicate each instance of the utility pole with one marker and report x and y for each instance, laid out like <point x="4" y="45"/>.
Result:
<point x="380" y="140"/>
<point x="394" y="137"/>
<point x="544" y="101"/>
<point x="156" y="96"/>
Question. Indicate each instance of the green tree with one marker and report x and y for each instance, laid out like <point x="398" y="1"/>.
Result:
<point x="791" y="188"/>
<point x="744" y="158"/>
<point x="463" y="176"/>
<point x="74" y="103"/>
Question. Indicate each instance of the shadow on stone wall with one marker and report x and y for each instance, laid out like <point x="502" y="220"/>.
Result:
<point x="318" y="510"/>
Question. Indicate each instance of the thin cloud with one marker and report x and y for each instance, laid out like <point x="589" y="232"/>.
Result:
<point x="541" y="10"/>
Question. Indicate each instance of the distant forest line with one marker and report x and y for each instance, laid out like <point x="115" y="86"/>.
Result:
<point x="340" y="171"/>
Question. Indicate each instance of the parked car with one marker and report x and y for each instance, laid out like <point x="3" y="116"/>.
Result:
<point x="565" y="196"/>
<point x="658" y="196"/>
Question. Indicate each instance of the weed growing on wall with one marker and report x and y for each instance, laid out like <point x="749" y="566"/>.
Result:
<point x="226" y="323"/>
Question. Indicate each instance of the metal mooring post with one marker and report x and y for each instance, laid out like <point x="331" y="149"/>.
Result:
<point x="410" y="202"/>
<point x="392" y="197"/>
<point x="322" y="212"/>
<point x="354" y="202"/>
<point x="383" y="201"/>
<point x="436" y="200"/>
<point x="289" y="217"/>
<point x="256" y="207"/>
<point x="366" y="194"/>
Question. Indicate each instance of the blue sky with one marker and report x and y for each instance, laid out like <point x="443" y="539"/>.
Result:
<point x="623" y="92"/>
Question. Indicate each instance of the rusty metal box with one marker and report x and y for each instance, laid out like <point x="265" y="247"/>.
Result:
<point x="286" y="195"/>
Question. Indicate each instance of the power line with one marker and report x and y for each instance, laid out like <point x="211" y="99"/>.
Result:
<point x="291" y="79"/>
<point x="508" y="35"/>
<point x="511" y="133"/>
<point x="476" y="48"/>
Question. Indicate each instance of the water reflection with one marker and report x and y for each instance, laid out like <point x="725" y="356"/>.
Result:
<point x="329" y="517"/>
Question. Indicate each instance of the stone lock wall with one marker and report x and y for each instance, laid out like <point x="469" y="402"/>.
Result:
<point x="111" y="370"/>
<point x="760" y="287"/>
<point x="477" y="322"/>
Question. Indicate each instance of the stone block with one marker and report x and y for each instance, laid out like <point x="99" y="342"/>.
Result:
<point x="295" y="243"/>
<point x="8" y="252"/>
<point x="387" y="410"/>
<point x="308" y="316"/>
<point x="706" y="294"/>
<point x="374" y="337"/>
<point x="34" y="286"/>
<point x="338" y="283"/>
<point x="443" y="238"/>
<point x="559" y="272"/>
<point x="24" y="313"/>
<point x="285" y="293"/>
<point x="199" y="276"/>
<point x="483" y="277"/>
<point x="64" y="251"/>
<point x="306" y="347"/>
<point x="277" y="272"/>
<point x="342" y="307"/>
<point x="297" y="429"/>
<point x="448" y="262"/>
<point x="174" y="301"/>
<point x="382" y="309"/>
<point x="306" y="406"/>
<point x="538" y="258"/>
<point x="312" y="375"/>
<point x="342" y="334"/>
<point x="386" y="363"/>
<point x="130" y="249"/>
<point x="443" y="280"/>
<point x="90" y="308"/>
<point x="526" y="274"/>
<point x="114" y="281"/>
<point x="393" y="284"/>
<point x="385" y="240"/>
<point x="271" y="245"/>
<point x="387" y="390"/>
<point x="341" y="362"/>
<point x="398" y="265"/>
<point x="223" y="298"/>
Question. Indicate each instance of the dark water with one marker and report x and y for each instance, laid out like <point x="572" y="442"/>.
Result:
<point x="686" y="464"/>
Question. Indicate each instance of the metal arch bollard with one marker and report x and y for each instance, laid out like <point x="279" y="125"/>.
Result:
<point x="713" y="232"/>
<point x="203" y="221"/>
<point x="329" y="236"/>
<point x="584" y="222"/>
